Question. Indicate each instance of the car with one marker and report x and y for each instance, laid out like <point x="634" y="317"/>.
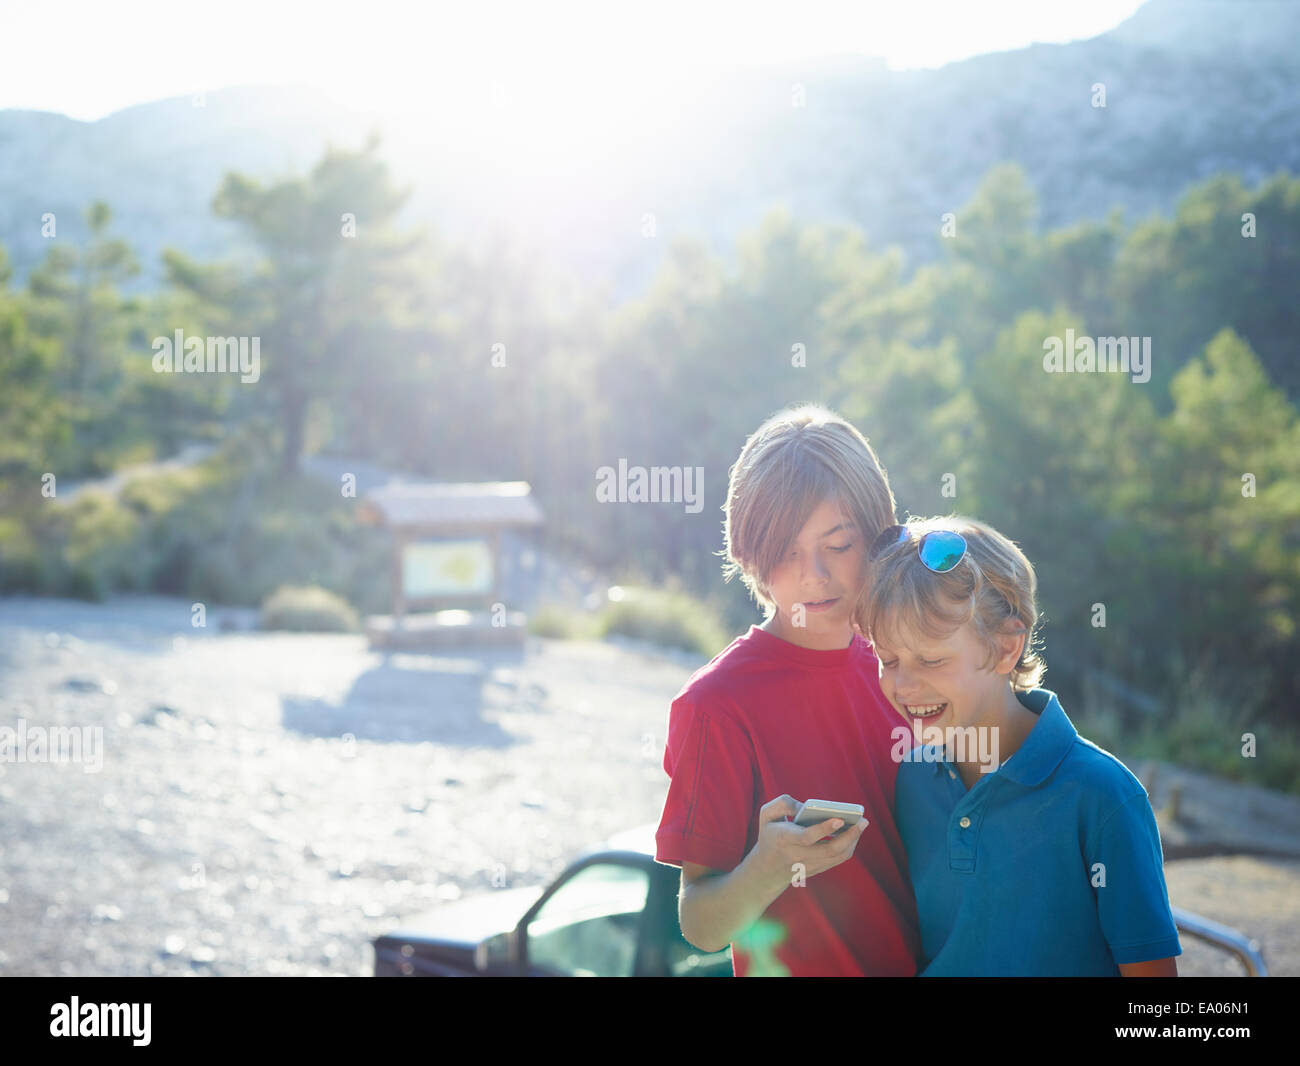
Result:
<point x="611" y="913"/>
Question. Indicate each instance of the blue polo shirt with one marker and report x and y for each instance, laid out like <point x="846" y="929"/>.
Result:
<point x="1049" y="866"/>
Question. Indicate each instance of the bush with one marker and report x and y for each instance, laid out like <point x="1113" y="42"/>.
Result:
<point x="308" y="608"/>
<point x="228" y="530"/>
<point x="560" y="623"/>
<point x="101" y="550"/>
<point x="669" y="617"/>
<point x="1207" y="737"/>
<point x="1200" y="727"/>
<point x="21" y="569"/>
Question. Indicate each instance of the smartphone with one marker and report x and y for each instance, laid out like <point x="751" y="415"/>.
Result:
<point x="814" y="811"/>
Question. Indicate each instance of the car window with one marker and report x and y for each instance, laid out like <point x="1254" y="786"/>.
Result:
<point x="589" y="927"/>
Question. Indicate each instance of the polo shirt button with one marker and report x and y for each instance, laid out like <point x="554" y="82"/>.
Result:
<point x="965" y="823"/>
<point x="952" y="775"/>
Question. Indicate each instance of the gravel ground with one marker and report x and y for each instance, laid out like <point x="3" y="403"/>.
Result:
<point x="1258" y="897"/>
<point x="268" y="803"/>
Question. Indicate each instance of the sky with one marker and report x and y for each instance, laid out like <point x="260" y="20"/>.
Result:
<point x="89" y="59"/>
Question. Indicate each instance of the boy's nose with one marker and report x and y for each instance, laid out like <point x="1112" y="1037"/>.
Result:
<point x="903" y="686"/>
<point x="816" y="571"/>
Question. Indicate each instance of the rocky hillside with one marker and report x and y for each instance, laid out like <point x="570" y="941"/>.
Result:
<point x="1191" y="89"/>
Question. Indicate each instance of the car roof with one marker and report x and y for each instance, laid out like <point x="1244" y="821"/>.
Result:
<point x="467" y="921"/>
<point x="640" y="839"/>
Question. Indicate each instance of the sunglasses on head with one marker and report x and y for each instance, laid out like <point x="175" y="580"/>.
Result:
<point x="940" y="550"/>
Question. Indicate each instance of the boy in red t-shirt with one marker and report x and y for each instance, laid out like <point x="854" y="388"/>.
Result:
<point x="788" y="712"/>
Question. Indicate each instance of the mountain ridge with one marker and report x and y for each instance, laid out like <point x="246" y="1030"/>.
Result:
<point x="1191" y="89"/>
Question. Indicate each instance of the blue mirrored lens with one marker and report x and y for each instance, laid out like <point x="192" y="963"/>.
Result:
<point x="942" y="550"/>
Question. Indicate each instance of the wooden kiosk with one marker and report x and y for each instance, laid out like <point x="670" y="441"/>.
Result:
<point x="446" y="563"/>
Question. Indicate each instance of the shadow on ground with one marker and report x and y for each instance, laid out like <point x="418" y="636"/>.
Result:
<point x="414" y="698"/>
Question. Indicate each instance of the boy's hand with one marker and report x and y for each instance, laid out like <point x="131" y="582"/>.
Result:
<point x="782" y="844"/>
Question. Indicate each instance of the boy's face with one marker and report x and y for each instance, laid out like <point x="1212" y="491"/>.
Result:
<point x="815" y="585"/>
<point x="944" y="682"/>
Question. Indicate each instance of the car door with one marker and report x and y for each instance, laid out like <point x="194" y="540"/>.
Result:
<point x="668" y="953"/>
<point x="591" y="922"/>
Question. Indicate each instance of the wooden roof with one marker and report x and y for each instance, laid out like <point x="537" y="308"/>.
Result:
<point x="429" y="504"/>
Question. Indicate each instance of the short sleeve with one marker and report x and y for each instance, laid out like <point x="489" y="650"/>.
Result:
<point x="1132" y="900"/>
<point x="710" y="802"/>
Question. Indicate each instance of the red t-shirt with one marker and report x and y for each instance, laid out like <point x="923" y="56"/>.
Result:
<point x="767" y="717"/>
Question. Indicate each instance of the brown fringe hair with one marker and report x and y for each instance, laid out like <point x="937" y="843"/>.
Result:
<point x="796" y="459"/>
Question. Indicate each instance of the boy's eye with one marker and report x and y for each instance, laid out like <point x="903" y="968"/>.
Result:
<point x="832" y="547"/>
<point x="889" y="665"/>
<point x="931" y="662"/>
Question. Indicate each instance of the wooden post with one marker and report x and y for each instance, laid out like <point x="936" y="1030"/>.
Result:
<point x="399" y="599"/>
<point x="496" y="567"/>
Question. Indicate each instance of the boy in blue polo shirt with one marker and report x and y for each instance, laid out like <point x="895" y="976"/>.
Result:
<point x="1032" y="851"/>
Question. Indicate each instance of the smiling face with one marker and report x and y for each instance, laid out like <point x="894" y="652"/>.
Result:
<point x="946" y="681"/>
<point x="817" y="582"/>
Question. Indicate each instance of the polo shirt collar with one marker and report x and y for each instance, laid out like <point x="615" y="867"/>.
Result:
<point x="1042" y="751"/>
<point x="1048" y="742"/>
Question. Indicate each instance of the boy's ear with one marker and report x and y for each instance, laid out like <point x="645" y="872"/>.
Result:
<point x="859" y="617"/>
<point x="1010" y="646"/>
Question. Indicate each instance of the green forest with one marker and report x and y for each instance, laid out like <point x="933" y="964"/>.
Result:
<point x="1174" y="502"/>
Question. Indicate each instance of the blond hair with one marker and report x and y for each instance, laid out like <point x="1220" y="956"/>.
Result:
<point x="794" y="461"/>
<point x="991" y="587"/>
